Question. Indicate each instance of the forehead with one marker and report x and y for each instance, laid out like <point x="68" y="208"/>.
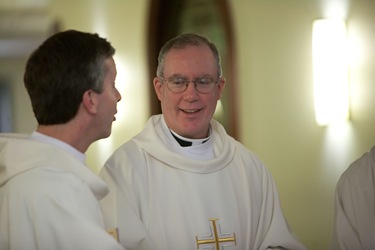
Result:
<point x="190" y="60"/>
<point x="110" y="68"/>
<point x="110" y="64"/>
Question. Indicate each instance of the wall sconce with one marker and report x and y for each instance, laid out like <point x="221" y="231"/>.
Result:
<point x="330" y="68"/>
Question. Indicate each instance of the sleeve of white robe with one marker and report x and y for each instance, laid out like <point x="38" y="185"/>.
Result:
<point x="354" y="221"/>
<point x="123" y="192"/>
<point x="51" y="209"/>
<point x="274" y="226"/>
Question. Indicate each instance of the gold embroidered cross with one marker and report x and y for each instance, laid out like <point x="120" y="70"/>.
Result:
<point x="216" y="240"/>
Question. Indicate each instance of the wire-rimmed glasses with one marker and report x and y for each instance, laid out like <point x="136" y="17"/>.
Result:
<point x="203" y="85"/>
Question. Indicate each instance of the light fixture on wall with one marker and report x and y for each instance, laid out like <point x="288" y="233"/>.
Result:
<point x="330" y="67"/>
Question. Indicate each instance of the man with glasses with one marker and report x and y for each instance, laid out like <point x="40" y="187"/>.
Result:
<point x="183" y="183"/>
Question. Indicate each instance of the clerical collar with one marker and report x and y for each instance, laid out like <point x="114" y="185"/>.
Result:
<point x="187" y="142"/>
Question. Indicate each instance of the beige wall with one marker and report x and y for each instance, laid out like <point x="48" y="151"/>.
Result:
<point x="277" y="113"/>
<point x="274" y="68"/>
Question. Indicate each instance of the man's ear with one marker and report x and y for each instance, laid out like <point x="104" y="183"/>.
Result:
<point x="220" y="85"/>
<point x="89" y="101"/>
<point x="157" y="87"/>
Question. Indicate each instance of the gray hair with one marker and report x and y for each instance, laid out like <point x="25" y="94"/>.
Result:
<point x="180" y="42"/>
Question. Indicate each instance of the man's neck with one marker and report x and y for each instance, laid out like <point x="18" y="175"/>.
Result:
<point x="66" y="134"/>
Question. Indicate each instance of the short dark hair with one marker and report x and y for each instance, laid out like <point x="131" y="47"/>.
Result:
<point x="180" y="42"/>
<point x="61" y="69"/>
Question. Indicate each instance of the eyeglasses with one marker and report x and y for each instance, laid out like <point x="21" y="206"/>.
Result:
<point x="180" y="84"/>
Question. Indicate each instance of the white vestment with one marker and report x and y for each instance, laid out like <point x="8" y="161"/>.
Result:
<point x="354" y="222"/>
<point x="49" y="197"/>
<point x="164" y="196"/>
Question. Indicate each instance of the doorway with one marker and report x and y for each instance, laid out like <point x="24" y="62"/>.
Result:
<point x="211" y="18"/>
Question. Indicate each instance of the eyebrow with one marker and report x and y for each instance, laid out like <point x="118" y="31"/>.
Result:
<point x="182" y="76"/>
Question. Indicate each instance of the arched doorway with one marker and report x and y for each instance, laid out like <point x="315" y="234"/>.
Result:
<point x="211" y="18"/>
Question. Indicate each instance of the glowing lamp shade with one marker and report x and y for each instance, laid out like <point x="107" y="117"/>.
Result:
<point x="330" y="68"/>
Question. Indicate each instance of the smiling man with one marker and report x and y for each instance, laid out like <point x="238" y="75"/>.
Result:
<point x="183" y="182"/>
